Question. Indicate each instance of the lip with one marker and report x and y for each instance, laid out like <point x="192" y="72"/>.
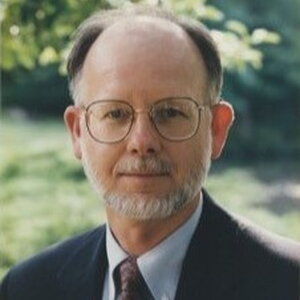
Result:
<point x="143" y="175"/>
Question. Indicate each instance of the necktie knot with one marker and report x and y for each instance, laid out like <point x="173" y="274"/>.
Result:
<point x="130" y="282"/>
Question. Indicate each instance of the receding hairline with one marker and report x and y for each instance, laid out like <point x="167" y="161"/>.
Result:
<point x="150" y="31"/>
<point x="145" y="22"/>
<point x="93" y="27"/>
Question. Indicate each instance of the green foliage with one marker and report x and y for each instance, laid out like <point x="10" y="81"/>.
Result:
<point x="37" y="33"/>
<point x="267" y="101"/>
<point x="44" y="194"/>
<point x="46" y="198"/>
<point x="39" y="92"/>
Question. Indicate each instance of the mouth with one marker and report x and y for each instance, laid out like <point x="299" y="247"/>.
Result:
<point x="142" y="179"/>
<point x="144" y="175"/>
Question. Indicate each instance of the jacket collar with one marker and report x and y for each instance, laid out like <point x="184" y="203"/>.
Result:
<point x="82" y="275"/>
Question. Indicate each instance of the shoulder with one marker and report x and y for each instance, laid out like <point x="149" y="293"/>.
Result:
<point x="245" y="236"/>
<point x="268" y="263"/>
<point x="40" y="271"/>
<point x="52" y="257"/>
<point x="259" y="262"/>
<point x="263" y="254"/>
<point x="261" y="241"/>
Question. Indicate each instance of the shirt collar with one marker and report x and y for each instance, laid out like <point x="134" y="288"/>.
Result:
<point x="115" y="255"/>
<point x="162" y="259"/>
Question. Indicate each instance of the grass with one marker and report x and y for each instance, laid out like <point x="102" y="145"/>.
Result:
<point x="45" y="196"/>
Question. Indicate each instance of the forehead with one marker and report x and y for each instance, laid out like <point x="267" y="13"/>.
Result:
<point x="140" y="54"/>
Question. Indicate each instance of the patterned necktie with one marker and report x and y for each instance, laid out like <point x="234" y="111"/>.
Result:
<point x="129" y="273"/>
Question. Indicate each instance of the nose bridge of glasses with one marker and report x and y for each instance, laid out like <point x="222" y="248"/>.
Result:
<point x="142" y="110"/>
<point x="145" y="123"/>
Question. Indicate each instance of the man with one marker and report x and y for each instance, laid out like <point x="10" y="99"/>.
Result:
<point x="146" y="121"/>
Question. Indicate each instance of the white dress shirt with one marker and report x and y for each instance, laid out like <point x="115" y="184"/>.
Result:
<point x="160" y="266"/>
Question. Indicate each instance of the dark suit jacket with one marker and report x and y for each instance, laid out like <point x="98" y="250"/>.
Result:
<point x="225" y="260"/>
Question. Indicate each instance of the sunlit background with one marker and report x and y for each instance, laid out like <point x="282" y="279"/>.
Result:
<point x="44" y="194"/>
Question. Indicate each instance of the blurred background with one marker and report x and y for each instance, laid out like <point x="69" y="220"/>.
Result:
<point x="44" y="195"/>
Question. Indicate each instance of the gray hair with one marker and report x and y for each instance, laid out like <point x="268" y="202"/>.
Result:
<point x="95" y="25"/>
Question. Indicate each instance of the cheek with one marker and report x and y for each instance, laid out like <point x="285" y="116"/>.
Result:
<point x="183" y="156"/>
<point x="102" y="158"/>
<point x="193" y="153"/>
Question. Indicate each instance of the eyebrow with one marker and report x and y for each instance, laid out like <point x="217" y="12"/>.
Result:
<point x="153" y="103"/>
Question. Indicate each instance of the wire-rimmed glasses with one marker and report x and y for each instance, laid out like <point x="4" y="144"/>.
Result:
<point x="175" y="119"/>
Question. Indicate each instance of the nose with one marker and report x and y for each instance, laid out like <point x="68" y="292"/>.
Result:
<point x="143" y="139"/>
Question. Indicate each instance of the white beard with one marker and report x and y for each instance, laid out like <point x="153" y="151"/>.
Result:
<point x="139" y="206"/>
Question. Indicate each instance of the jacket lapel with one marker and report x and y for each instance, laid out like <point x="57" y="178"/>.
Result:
<point x="82" y="276"/>
<point x="210" y="267"/>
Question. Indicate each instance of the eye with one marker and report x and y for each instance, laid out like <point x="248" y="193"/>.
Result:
<point x="168" y="113"/>
<point x="172" y="112"/>
<point x="117" y="114"/>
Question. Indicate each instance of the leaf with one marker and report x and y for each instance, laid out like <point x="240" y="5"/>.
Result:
<point x="237" y="27"/>
<point x="49" y="55"/>
<point x="262" y="35"/>
<point x="208" y="12"/>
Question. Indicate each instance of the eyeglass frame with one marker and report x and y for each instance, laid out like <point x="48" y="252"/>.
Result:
<point x="134" y="112"/>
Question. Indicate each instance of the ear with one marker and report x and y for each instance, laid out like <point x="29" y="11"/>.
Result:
<point x="72" y="121"/>
<point x="222" y="119"/>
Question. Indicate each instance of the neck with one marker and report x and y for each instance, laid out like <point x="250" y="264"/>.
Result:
<point x="139" y="236"/>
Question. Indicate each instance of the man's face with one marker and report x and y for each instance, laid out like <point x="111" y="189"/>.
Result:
<point x="145" y="176"/>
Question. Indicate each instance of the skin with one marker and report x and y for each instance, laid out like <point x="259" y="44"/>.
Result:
<point x="157" y="60"/>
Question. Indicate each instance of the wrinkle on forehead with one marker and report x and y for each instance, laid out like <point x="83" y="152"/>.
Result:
<point x="148" y="43"/>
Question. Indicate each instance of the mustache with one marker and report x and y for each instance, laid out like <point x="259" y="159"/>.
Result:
<point x="144" y="165"/>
